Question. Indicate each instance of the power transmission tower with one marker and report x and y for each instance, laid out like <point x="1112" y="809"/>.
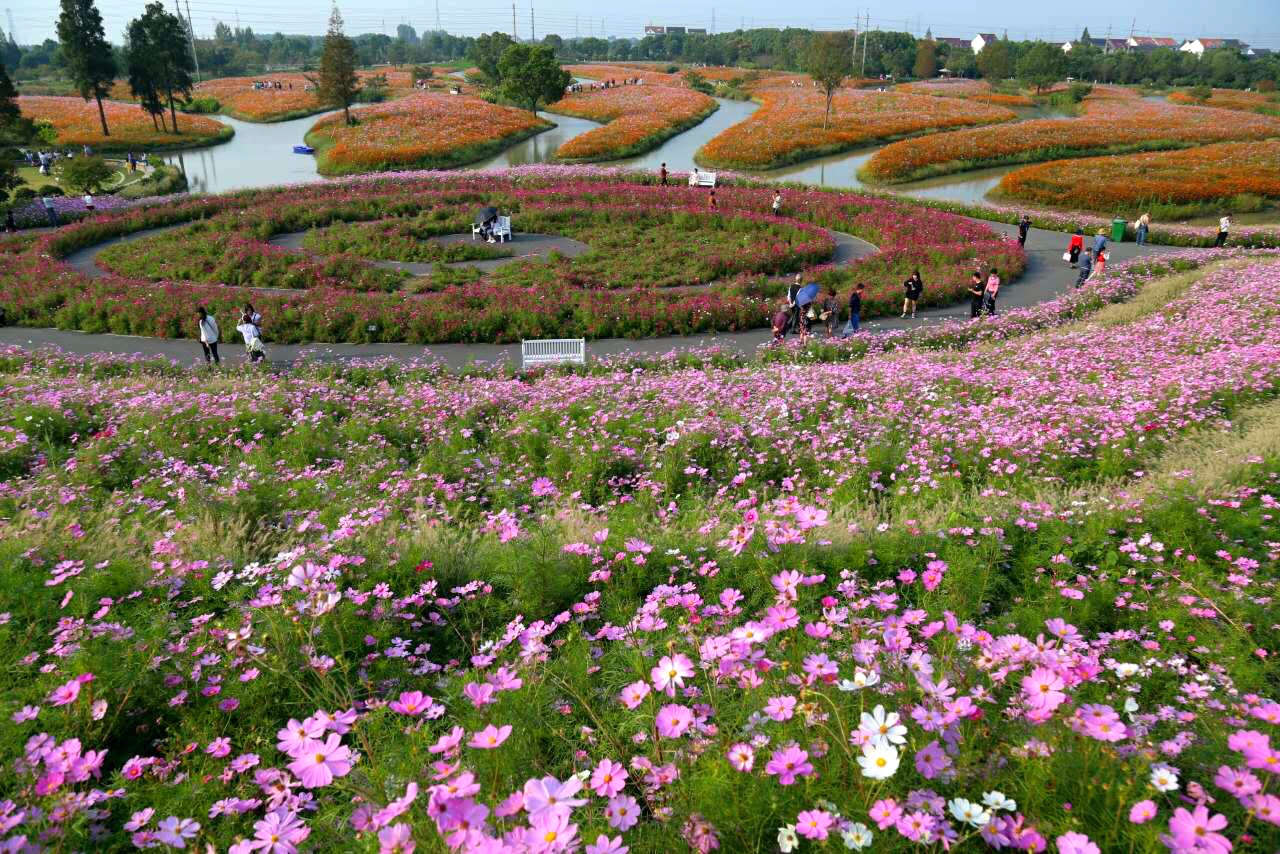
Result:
<point x="13" y="35"/>
<point x="191" y="33"/>
<point x="514" y="37"/>
<point x="713" y="20"/>
<point x="533" y="33"/>
<point x="437" y="15"/>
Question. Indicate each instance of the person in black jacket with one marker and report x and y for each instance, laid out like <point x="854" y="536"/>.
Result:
<point x="1024" y="225"/>
<point x="793" y="292"/>
<point x="855" y="312"/>
<point x="977" y="289"/>
<point x="912" y="288"/>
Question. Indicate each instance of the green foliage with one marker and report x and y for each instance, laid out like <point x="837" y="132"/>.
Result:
<point x="86" y="54"/>
<point x="532" y="75"/>
<point x="205" y="105"/>
<point x="486" y="54"/>
<point x="926" y="64"/>
<point x="829" y="60"/>
<point x="374" y="90"/>
<point x="699" y="83"/>
<point x="994" y="61"/>
<point x="1041" y="66"/>
<point x="159" y="61"/>
<point x="338" y="83"/>
<point x="86" y="174"/>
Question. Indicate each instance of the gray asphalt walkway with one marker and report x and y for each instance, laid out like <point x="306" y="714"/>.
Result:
<point x="1046" y="277"/>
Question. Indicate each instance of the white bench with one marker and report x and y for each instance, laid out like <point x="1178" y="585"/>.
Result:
<point x="702" y="179"/>
<point x="502" y="229"/>
<point x="553" y="351"/>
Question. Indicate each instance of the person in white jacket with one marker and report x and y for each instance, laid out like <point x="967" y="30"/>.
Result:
<point x="208" y="336"/>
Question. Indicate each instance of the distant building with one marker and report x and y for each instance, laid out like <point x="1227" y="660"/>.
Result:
<point x="1197" y="47"/>
<point x="1149" y="43"/>
<point x="699" y="31"/>
<point x="981" y="40"/>
<point x="951" y="41"/>
<point x="655" y="30"/>
<point x="1067" y="47"/>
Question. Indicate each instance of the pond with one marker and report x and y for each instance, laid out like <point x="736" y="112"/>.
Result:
<point x="261" y="155"/>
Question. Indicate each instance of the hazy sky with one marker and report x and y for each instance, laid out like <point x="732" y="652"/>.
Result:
<point x="1255" y="21"/>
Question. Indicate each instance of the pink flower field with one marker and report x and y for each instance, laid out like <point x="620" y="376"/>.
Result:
<point x="1003" y="586"/>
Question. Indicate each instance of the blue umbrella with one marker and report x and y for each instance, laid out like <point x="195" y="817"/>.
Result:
<point x="807" y="294"/>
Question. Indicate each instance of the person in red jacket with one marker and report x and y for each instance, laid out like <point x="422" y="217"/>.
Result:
<point x="1075" y="247"/>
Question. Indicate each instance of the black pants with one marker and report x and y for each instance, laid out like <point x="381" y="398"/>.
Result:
<point x="211" y="352"/>
<point x="975" y="307"/>
<point x="1222" y="238"/>
<point x="1075" y="255"/>
<point x="1022" y="238"/>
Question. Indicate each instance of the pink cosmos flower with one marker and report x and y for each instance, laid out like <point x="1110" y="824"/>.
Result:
<point x="742" y="757"/>
<point x="550" y="795"/>
<point x="26" y="713"/>
<point x="780" y="708"/>
<point x="622" y="812"/>
<point x="788" y="764"/>
<point x="479" y="693"/>
<point x="814" y="824"/>
<point x="295" y="734"/>
<point x="410" y="703"/>
<point x="931" y="760"/>
<point x="633" y="695"/>
<point x="65" y="694"/>
<point x="319" y="762"/>
<point x="605" y="845"/>
<point x="396" y="839"/>
<point x="885" y="813"/>
<point x="1143" y="811"/>
<point x="608" y="779"/>
<point x="448" y="743"/>
<point x="490" y="737"/>
<point x="551" y="831"/>
<point x="279" y="832"/>
<point x="175" y="832"/>
<point x="1076" y="843"/>
<point x="219" y="747"/>
<point x="1238" y="782"/>
<point x="1043" y="690"/>
<point x="670" y="673"/>
<point x="1198" y="829"/>
<point x="673" y="720"/>
<point x="1265" y="807"/>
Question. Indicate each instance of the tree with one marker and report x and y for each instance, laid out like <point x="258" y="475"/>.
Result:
<point x="960" y="62"/>
<point x="994" y="62"/>
<point x="89" y="61"/>
<point x="142" y="70"/>
<point x="532" y="75"/>
<point x="166" y="66"/>
<point x="338" y="84"/>
<point x="86" y="174"/>
<point x="14" y="130"/>
<point x="1042" y="66"/>
<point x="926" y="59"/>
<point x="406" y="33"/>
<point x="1084" y="37"/>
<point x="487" y="51"/>
<point x="829" y="61"/>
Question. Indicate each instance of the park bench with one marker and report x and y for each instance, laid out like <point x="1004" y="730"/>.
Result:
<point x="502" y="230"/>
<point x="553" y="351"/>
<point x="702" y="179"/>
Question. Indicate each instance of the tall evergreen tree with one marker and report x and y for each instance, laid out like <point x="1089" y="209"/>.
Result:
<point x="160" y="59"/>
<point x="144" y="75"/>
<point x="339" y="84"/>
<point x="14" y="131"/>
<point x="88" y="57"/>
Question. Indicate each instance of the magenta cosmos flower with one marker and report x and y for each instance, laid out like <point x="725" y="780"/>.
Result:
<point x="1076" y="843"/>
<point x="490" y="737"/>
<point x="788" y="764"/>
<point x="608" y="779"/>
<point x="673" y="720"/>
<point x="1198" y="829"/>
<point x="319" y="762"/>
<point x="1143" y="811"/>
<point x="671" y="672"/>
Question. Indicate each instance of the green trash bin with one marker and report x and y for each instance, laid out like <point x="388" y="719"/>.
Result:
<point x="1117" y="230"/>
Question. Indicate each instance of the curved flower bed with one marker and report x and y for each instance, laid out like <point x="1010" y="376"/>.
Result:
<point x="1211" y="173"/>
<point x="971" y="90"/>
<point x="637" y="119"/>
<point x="650" y="75"/>
<point x="239" y="99"/>
<point x="922" y="601"/>
<point x="1233" y="99"/>
<point x="1110" y="125"/>
<point x="76" y="123"/>
<point x="591" y="296"/>
<point x="788" y="127"/>
<point x="426" y="130"/>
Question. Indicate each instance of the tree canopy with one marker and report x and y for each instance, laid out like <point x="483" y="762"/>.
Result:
<point x="994" y="61"/>
<point x="829" y="61"/>
<point x="1042" y="66"/>
<point x="88" y="57"/>
<point x="926" y="59"/>
<point x="338" y="84"/>
<point x="532" y="75"/>
<point x="486" y="53"/>
<point x="159" y="60"/>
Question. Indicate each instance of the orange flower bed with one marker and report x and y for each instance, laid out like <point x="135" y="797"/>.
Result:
<point x="75" y="121"/>
<point x="651" y="76"/>
<point x="240" y="100"/>
<point x="1234" y="99"/>
<point x="425" y="130"/>
<point x="1110" y="124"/>
<point x="1127" y="182"/>
<point x="971" y="90"/>
<point x="638" y="118"/>
<point x="788" y="127"/>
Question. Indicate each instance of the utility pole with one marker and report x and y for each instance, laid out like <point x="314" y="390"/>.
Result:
<point x="191" y="32"/>
<point x="863" y="72"/>
<point x="514" y="37"/>
<point x="533" y="32"/>
<point x="437" y="15"/>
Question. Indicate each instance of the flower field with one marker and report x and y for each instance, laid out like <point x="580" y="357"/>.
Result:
<point x="423" y="130"/>
<point x="972" y="90"/>
<point x="994" y="597"/>
<point x="76" y="123"/>
<point x="637" y="119"/>
<point x="655" y="254"/>
<point x="1128" y="182"/>
<point x="1233" y="99"/>
<point x="650" y="75"/>
<point x="788" y="127"/>
<point x="1109" y="125"/>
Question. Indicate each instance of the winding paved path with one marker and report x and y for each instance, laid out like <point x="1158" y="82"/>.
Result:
<point x="523" y="245"/>
<point x="1046" y="277"/>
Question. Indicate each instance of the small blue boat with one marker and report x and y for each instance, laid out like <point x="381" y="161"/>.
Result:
<point x="303" y="149"/>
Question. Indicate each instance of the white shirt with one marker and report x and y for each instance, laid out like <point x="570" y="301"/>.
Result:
<point x="88" y="200"/>
<point x="209" y="330"/>
<point x="1224" y="224"/>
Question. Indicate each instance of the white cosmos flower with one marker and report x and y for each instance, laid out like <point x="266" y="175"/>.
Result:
<point x="969" y="812"/>
<point x="1124" y="669"/>
<point x="878" y="761"/>
<point x="857" y="837"/>
<point x="1164" y="779"/>
<point x="882" y="727"/>
<point x="997" y="800"/>
<point x="787" y="839"/>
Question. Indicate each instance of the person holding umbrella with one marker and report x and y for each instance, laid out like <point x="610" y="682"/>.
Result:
<point x="485" y="219"/>
<point x="793" y="307"/>
<point x="807" y="302"/>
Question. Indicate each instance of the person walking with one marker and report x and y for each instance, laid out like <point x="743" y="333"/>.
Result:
<point x="1099" y="265"/>
<point x="88" y="202"/>
<point x="777" y="203"/>
<point x="1142" y="227"/>
<point x="1100" y="241"/>
<point x="208" y="336"/>
<point x="10" y="225"/>
<point x="976" y="294"/>
<point x="1024" y="226"/>
<point x="711" y="201"/>
<point x="991" y="292"/>
<point x="912" y="288"/>
<point x="1086" y="268"/>
<point x="1075" y="247"/>
<point x="662" y="174"/>
<point x="830" y="315"/>
<point x="793" y="292"/>
<point x="781" y="321"/>
<point x="1224" y="230"/>
<point x="250" y="329"/>
<point x="50" y="212"/>
<point x="855" y="312"/>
